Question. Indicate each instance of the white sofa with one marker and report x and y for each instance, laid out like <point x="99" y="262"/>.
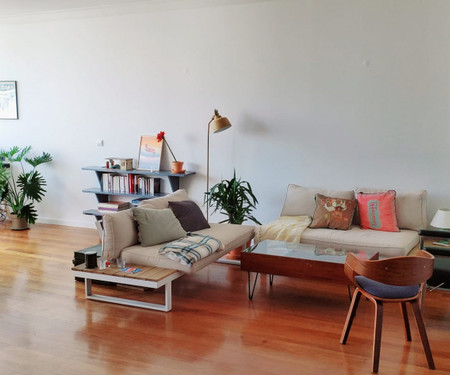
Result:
<point x="411" y="217"/>
<point x="121" y="237"/>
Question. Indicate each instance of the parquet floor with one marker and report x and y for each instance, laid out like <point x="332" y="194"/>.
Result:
<point x="48" y="327"/>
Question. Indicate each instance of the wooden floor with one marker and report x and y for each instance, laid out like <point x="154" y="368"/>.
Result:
<point x="48" y="327"/>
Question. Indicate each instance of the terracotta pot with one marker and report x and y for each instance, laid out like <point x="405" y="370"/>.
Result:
<point x="235" y="254"/>
<point x="177" y="167"/>
<point x="18" y="223"/>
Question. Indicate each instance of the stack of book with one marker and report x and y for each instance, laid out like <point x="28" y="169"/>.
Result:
<point x="113" y="206"/>
<point x="131" y="184"/>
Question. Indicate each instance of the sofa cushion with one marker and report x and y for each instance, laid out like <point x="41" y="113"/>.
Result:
<point x="333" y="213"/>
<point x="119" y="231"/>
<point x="157" y="226"/>
<point x="387" y="244"/>
<point x="411" y="207"/>
<point x="189" y="215"/>
<point x="163" y="202"/>
<point x="231" y="236"/>
<point x="301" y="200"/>
<point x="377" y="211"/>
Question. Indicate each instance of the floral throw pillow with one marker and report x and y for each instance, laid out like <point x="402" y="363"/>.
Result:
<point x="377" y="211"/>
<point x="333" y="213"/>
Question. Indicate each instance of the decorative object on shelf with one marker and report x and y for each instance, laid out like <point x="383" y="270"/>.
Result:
<point x="218" y="124"/>
<point x="177" y="166"/>
<point x="8" y="103"/>
<point x="149" y="153"/>
<point x="125" y="164"/>
<point x="235" y="199"/>
<point x="441" y="219"/>
<point x="28" y="187"/>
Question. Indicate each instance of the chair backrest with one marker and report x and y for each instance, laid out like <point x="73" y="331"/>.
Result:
<point x="406" y="270"/>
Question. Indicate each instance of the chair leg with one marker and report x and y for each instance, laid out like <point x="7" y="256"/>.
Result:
<point x="377" y="335"/>
<point x="350" y="316"/>
<point x="406" y="320"/>
<point x="423" y="333"/>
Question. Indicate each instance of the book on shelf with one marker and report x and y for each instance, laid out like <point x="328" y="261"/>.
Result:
<point x="130" y="184"/>
<point x="113" y="206"/>
<point x="445" y="243"/>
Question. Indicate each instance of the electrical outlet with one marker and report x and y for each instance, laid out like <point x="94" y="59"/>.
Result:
<point x="100" y="143"/>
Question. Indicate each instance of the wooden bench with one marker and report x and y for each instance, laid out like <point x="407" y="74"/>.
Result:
<point x="148" y="277"/>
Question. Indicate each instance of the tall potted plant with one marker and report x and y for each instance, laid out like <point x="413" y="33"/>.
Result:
<point x="24" y="188"/>
<point x="235" y="199"/>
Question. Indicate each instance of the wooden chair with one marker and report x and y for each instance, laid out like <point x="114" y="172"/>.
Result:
<point x="400" y="279"/>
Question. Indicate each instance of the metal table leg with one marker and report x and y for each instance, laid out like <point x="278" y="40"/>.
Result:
<point x="250" y="294"/>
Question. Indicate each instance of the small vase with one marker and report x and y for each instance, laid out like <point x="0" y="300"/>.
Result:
<point x="18" y="223"/>
<point x="177" y="167"/>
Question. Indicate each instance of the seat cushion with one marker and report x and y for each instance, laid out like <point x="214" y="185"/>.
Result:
<point x="386" y="291"/>
<point x="387" y="244"/>
<point x="231" y="236"/>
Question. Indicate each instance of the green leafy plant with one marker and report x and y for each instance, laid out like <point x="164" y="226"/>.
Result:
<point x="233" y="198"/>
<point x="21" y="192"/>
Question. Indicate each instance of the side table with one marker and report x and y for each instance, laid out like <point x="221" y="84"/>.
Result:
<point x="441" y="274"/>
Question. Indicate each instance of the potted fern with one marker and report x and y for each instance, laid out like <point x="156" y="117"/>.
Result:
<point x="235" y="199"/>
<point x="23" y="188"/>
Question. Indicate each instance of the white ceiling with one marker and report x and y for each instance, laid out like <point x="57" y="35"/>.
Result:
<point x="20" y="7"/>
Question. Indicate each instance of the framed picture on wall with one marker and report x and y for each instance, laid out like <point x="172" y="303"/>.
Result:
<point x="149" y="153"/>
<point x="8" y="100"/>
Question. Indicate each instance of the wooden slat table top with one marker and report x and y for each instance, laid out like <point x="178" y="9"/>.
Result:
<point x="147" y="273"/>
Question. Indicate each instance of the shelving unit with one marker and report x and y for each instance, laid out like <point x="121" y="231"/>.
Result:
<point x="103" y="195"/>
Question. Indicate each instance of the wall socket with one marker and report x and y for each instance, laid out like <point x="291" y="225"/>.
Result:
<point x="100" y="143"/>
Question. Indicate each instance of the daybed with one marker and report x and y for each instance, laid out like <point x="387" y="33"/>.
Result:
<point x="121" y="237"/>
<point x="410" y="207"/>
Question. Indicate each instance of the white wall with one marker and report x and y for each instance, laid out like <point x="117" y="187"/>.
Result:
<point x="320" y="93"/>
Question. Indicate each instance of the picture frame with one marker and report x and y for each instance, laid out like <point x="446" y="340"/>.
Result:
<point x="8" y="100"/>
<point x="149" y="158"/>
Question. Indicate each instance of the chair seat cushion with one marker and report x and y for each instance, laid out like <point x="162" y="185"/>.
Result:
<point x="386" y="291"/>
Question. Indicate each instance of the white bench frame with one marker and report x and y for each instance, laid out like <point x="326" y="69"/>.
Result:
<point x="166" y="282"/>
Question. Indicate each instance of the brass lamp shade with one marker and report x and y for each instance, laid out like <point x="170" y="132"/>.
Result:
<point x="217" y="124"/>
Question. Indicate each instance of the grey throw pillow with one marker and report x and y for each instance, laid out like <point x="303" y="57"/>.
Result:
<point x="189" y="214"/>
<point x="157" y="226"/>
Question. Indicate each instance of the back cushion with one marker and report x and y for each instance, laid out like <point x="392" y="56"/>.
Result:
<point x="119" y="231"/>
<point x="410" y="205"/>
<point x="301" y="200"/>
<point x="163" y="202"/>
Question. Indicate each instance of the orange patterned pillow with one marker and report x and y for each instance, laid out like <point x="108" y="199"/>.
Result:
<point x="334" y="213"/>
<point x="377" y="211"/>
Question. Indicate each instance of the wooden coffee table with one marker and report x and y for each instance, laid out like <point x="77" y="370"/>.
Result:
<point x="296" y="260"/>
<point x="148" y="277"/>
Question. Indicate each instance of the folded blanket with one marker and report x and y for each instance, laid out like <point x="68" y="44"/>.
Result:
<point x="190" y="249"/>
<point x="285" y="228"/>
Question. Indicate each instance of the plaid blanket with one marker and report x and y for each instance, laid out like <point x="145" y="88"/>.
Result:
<point x="190" y="249"/>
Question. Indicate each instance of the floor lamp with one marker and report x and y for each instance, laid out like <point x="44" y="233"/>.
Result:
<point x="216" y="124"/>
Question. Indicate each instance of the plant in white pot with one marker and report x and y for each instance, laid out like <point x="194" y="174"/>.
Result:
<point x="24" y="188"/>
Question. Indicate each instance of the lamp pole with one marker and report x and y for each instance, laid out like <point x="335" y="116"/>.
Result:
<point x="219" y="124"/>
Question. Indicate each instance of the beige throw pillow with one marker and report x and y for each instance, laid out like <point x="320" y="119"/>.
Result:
<point x="157" y="226"/>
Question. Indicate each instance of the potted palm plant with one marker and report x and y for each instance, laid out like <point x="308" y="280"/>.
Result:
<point x="23" y="188"/>
<point x="235" y="199"/>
